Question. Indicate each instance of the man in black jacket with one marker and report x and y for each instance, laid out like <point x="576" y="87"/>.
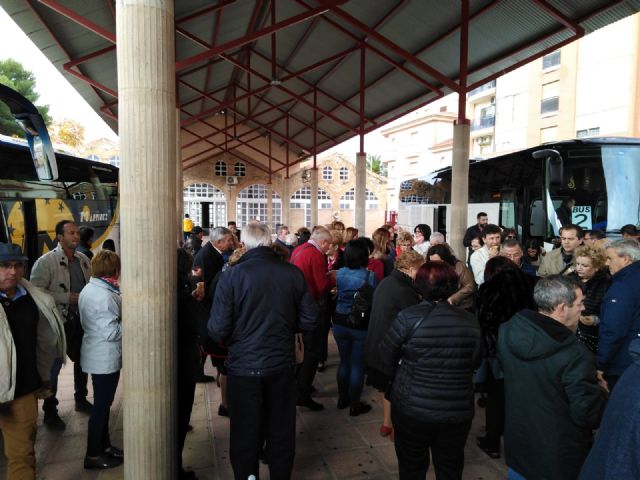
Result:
<point x="553" y="400"/>
<point x="259" y="304"/>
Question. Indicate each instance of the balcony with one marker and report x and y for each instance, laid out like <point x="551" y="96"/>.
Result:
<point x="483" y="123"/>
<point x="482" y="92"/>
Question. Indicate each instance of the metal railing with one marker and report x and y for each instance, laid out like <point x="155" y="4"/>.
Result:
<point x="485" y="122"/>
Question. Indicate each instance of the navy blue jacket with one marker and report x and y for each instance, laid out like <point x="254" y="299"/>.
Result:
<point x="619" y="320"/>
<point x="259" y="304"/>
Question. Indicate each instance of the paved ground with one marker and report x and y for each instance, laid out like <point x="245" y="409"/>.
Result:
<point x="330" y="444"/>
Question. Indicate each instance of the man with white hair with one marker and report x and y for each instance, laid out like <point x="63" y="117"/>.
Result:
<point x="620" y="311"/>
<point x="436" y="238"/>
<point x="259" y="304"/>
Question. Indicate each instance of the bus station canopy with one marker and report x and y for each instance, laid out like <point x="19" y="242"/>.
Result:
<point x="309" y="74"/>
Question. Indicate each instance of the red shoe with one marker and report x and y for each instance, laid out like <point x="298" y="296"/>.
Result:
<point x="385" y="431"/>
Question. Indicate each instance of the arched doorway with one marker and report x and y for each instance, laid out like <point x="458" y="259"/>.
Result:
<point x="251" y="204"/>
<point x="205" y="204"/>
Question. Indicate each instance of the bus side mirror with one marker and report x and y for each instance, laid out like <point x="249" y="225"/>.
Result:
<point x="554" y="165"/>
<point x="30" y="120"/>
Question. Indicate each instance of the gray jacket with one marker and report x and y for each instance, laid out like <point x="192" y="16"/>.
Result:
<point x="51" y="273"/>
<point x="50" y="342"/>
<point x="100" y="316"/>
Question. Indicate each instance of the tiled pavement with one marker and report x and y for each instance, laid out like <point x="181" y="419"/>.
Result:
<point x="330" y="444"/>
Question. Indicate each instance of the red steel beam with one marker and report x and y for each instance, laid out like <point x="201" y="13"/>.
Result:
<point x="252" y="37"/>
<point x="559" y="16"/>
<point x="79" y="19"/>
<point x="464" y="63"/>
<point x="363" y="58"/>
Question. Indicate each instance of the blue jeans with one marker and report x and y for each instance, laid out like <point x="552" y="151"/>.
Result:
<point x="513" y="475"/>
<point x="350" y="374"/>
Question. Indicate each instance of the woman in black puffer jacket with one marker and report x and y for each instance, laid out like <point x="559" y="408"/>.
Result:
<point x="438" y="346"/>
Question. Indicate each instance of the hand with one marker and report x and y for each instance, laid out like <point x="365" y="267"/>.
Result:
<point x="332" y="273"/>
<point x="493" y="251"/>
<point x="73" y="298"/>
<point x="198" y="293"/>
<point x="44" y="391"/>
<point x="196" y="271"/>
<point x="601" y="381"/>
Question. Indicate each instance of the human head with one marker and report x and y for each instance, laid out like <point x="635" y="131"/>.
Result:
<point x="351" y="233"/>
<point x="421" y="233"/>
<point x="591" y="236"/>
<point x="436" y="281"/>
<point x="186" y="215"/>
<point x="437" y="238"/>
<point x="409" y="262"/>
<point x="560" y="297"/>
<point x="589" y="260"/>
<point x="476" y="243"/>
<point x="68" y="234"/>
<point x="321" y="237"/>
<point x="496" y="265"/>
<point x="86" y="234"/>
<point x="491" y="235"/>
<point x="629" y="231"/>
<point x="12" y="264"/>
<point x="509" y="234"/>
<point x="109" y="244"/>
<point x="621" y="254"/>
<point x="571" y="237"/>
<point x="291" y="240"/>
<point x="197" y="232"/>
<point x="337" y="225"/>
<point x="483" y="219"/>
<point x="512" y="250"/>
<point x="256" y="235"/>
<point x="105" y="264"/>
<point x="356" y="254"/>
<point x="381" y="239"/>
<point x="441" y="252"/>
<point x="185" y="261"/>
<point x="404" y="241"/>
<point x="281" y="251"/>
<point x="232" y="227"/>
<point x="336" y="242"/>
<point x="533" y="248"/>
<point x="303" y="234"/>
<point x="283" y="231"/>
<point x="221" y="238"/>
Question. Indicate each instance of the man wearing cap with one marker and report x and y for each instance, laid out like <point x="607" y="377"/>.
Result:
<point x="31" y="338"/>
<point x="194" y="244"/>
<point x="63" y="273"/>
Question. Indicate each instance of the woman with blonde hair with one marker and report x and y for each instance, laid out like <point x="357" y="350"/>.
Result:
<point x="350" y="233"/>
<point x="381" y="241"/>
<point x="395" y="293"/>
<point x="101" y="354"/>
<point x="404" y="243"/>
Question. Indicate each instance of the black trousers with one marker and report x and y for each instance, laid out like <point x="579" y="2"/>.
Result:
<point x="494" y="412"/>
<point x="262" y="408"/>
<point x="80" y="380"/>
<point x="414" y="439"/>
<point x="312" y="351"/>
<point x="104" y="389"/>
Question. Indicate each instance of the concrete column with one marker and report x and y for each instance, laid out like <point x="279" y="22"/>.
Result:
<point x="269" y="219"/>
<point x="147" y="127"/>
<point x="314" y="197"/>
<point x="179" y="181"/>
<point x="231" y="193"/>
<point x="459" y="188"/>
<point x="360" y="218"/>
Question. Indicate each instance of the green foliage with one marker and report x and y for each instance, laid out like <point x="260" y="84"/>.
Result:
<point x="374" y="163"/>
<point x="13" y="75"/>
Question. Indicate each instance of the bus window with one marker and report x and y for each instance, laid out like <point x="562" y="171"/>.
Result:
<point x="621" y="165"/>
<point x="508" y="209"/>
<point x="12" y="222"/>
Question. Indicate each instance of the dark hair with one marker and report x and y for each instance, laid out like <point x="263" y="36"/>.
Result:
<point x="491" y="229"/>
<point x="356" y="254"/>
<point x="230" y="222"/>
<point x="496" y="265"/>
<point x="571" y="226"/>
<point x="424" y="229"/>
<point x="109" y="244"/>
<point x="477" y="237"/>
<point x="481" y="214"/>
<point x="185" y="261"/>
<point x="443" y="252"/>
<point x="60" y="226"/>
<point x="186" y="215"/>
<point x="281" y="252"/>
<point x="368" y="243"/>
<point x="509" y="231"/>
<point x="86" y="234"/>
<point x="304" y="234"/>
<point x="629" y="229"/>
<point x="436" y="281"/>
<point x="599" y="234"/>
<point x="533" y="243"/>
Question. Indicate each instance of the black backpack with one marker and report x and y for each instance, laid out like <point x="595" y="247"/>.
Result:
<point x="358" y="317"/>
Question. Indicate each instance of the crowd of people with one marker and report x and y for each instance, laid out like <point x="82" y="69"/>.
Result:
<point x="545" y="341"/>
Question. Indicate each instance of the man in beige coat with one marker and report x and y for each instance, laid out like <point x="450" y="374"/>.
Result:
<point x="561" y="260"/>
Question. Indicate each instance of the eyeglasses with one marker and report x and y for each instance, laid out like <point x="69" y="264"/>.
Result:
<point x="509" y="237"/>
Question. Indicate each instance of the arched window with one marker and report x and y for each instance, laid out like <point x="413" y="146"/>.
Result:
<point x="252" y="204"/>
<point x="302" y="199"/>
<point x="205" y="204"/>
<point x="239" y="169"/>
<point x="348" y="200"/>
<point x="115" y="161"/>
<point x="327" y="174"/>
<point x="93" y="157"/>
<point x="344" y="174"/>
<point x="221" y="169"/>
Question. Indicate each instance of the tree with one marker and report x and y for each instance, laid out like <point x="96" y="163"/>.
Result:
<point x="374" y="163"/>
<point x="69" y="132"/>
<point x="14" y="75"/>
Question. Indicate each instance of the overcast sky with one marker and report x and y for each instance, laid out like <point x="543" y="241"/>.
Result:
<point x="54" y="90"/>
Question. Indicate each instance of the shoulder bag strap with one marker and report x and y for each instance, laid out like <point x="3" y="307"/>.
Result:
<point x="416" y="325"/>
